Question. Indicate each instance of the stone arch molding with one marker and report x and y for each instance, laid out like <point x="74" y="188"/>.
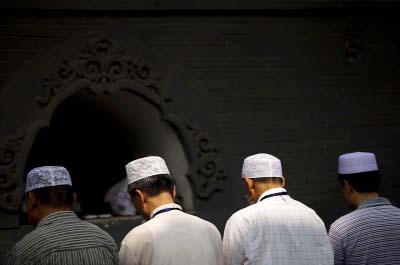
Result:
<point x="99" y="65"/>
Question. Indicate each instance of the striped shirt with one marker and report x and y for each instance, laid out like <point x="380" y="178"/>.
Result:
<point x="368" y="235"/>
<point x="276" y="230"/>
<point x="62" y="238"/>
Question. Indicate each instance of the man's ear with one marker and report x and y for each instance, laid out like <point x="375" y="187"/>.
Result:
<point x="283" y="182"/>
<point x="249" y="183"/>
<point x="174" y="192"/>
<point x="74" y="199"/>
<point x="31" y="199"/>
<point x="142" y="196"/>
<point x="347" y="186"/>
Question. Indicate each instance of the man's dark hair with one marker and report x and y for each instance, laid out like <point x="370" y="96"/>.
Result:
<point x="56" y="196"/>
<point x="364" y="182"/>
<point x="274" y="180"/>
<point x="153" y="185"/>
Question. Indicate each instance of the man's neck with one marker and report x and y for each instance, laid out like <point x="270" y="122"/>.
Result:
<point x="158" y="201"/>
<point x="46" y="211"/>
<point x="361" y="197"/>
<point x="266" y="187"/>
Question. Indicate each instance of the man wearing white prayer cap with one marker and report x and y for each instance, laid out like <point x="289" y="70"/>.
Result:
<point x="275" y="229"/>
<point x="60" y="237"/>
<point x="170" y="236"/>
<point x="371" y="233"/>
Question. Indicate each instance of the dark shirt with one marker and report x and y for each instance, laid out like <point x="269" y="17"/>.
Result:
<point x="63" y="239"/>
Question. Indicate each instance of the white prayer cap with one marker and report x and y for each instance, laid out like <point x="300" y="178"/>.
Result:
<point x="47" y="176"/>
<point x="262" y="166"/>
<point x="145" y="167"/>
<point x="357" y="162"/>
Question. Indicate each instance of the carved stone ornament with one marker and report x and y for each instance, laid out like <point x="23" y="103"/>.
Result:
<point x="207" y="171"/>
<point x="352" y="45"/>
<point x="10" y="181"/>
<point x="101" y="64"/>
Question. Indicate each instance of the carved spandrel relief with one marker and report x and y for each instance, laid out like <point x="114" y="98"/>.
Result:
<point x="207" y="172"/>
<point x="101" y="63"/>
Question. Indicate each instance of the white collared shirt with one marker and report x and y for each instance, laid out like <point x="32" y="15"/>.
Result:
<point x="172" y="238"/>
<point x="276" y="230"/>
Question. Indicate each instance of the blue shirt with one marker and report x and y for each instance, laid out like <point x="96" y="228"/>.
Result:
<point x="369" y="235"/>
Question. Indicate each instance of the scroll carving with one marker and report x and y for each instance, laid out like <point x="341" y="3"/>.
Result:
<point x="352" y="46"/>
<point x="207" y="171"/>
<point x="10" y="183"/>
<point x="101" y="63"/>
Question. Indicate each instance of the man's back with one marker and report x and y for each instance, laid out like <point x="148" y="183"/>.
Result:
<point x="62" y="238"/>
<point x="277" y="230"/>
<point x="173" y="238"/>
<point x="368" y="235"/>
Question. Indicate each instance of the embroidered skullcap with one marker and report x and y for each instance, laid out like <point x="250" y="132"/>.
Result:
<point x="262" y="166"/>
<point x="47" y="176"/>
<point x="357" y="162"/>
<point x="145" y="167"/>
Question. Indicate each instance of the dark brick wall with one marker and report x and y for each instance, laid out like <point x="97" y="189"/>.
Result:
<point x="279" y="83"/>
<point x="162" y="5"/>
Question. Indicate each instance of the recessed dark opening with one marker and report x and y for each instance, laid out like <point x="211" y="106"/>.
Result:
<point x="94" y="137"/>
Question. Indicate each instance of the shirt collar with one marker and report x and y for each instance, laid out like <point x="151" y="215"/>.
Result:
<point x="55" y="217"/>
<point x="165" y="206"/>
<point x="374" y="202"/>
<point x="271" y="191"/>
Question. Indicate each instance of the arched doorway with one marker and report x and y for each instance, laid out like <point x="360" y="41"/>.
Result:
<point x="97" y="69"/>
<point x="95" y="136"/>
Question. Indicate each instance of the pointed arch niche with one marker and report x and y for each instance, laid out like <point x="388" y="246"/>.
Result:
<point x="102" y="100"/>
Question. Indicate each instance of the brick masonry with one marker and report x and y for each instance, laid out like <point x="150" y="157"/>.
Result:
<point x="291" y="85"/>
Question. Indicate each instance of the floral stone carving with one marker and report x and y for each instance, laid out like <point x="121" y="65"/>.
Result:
<point x="101" y="64"/>
<point x="10" y="182"/>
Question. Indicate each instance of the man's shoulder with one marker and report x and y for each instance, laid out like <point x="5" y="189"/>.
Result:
<point x="27" y="241"/>
<point x="147" y="229"/>
<point x="364" y="213"/>
<point x="261" y="207"/>
<point x="35" y="238"/>
<point x="244" y="213"/>
<point x="345" y="222"/>
<point x="76" y="230"/>
<point x="271" y="210"/>
<point x="30" y="243"/>
<point x="91" y="227"/>
<point x="139" y="232"/>
<point x="75" y="227"/>
<point x="210" y="226"/>
<point x="97" y="231"/>
<point x="195" y="222"/>
<point x="195" y="218"/>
